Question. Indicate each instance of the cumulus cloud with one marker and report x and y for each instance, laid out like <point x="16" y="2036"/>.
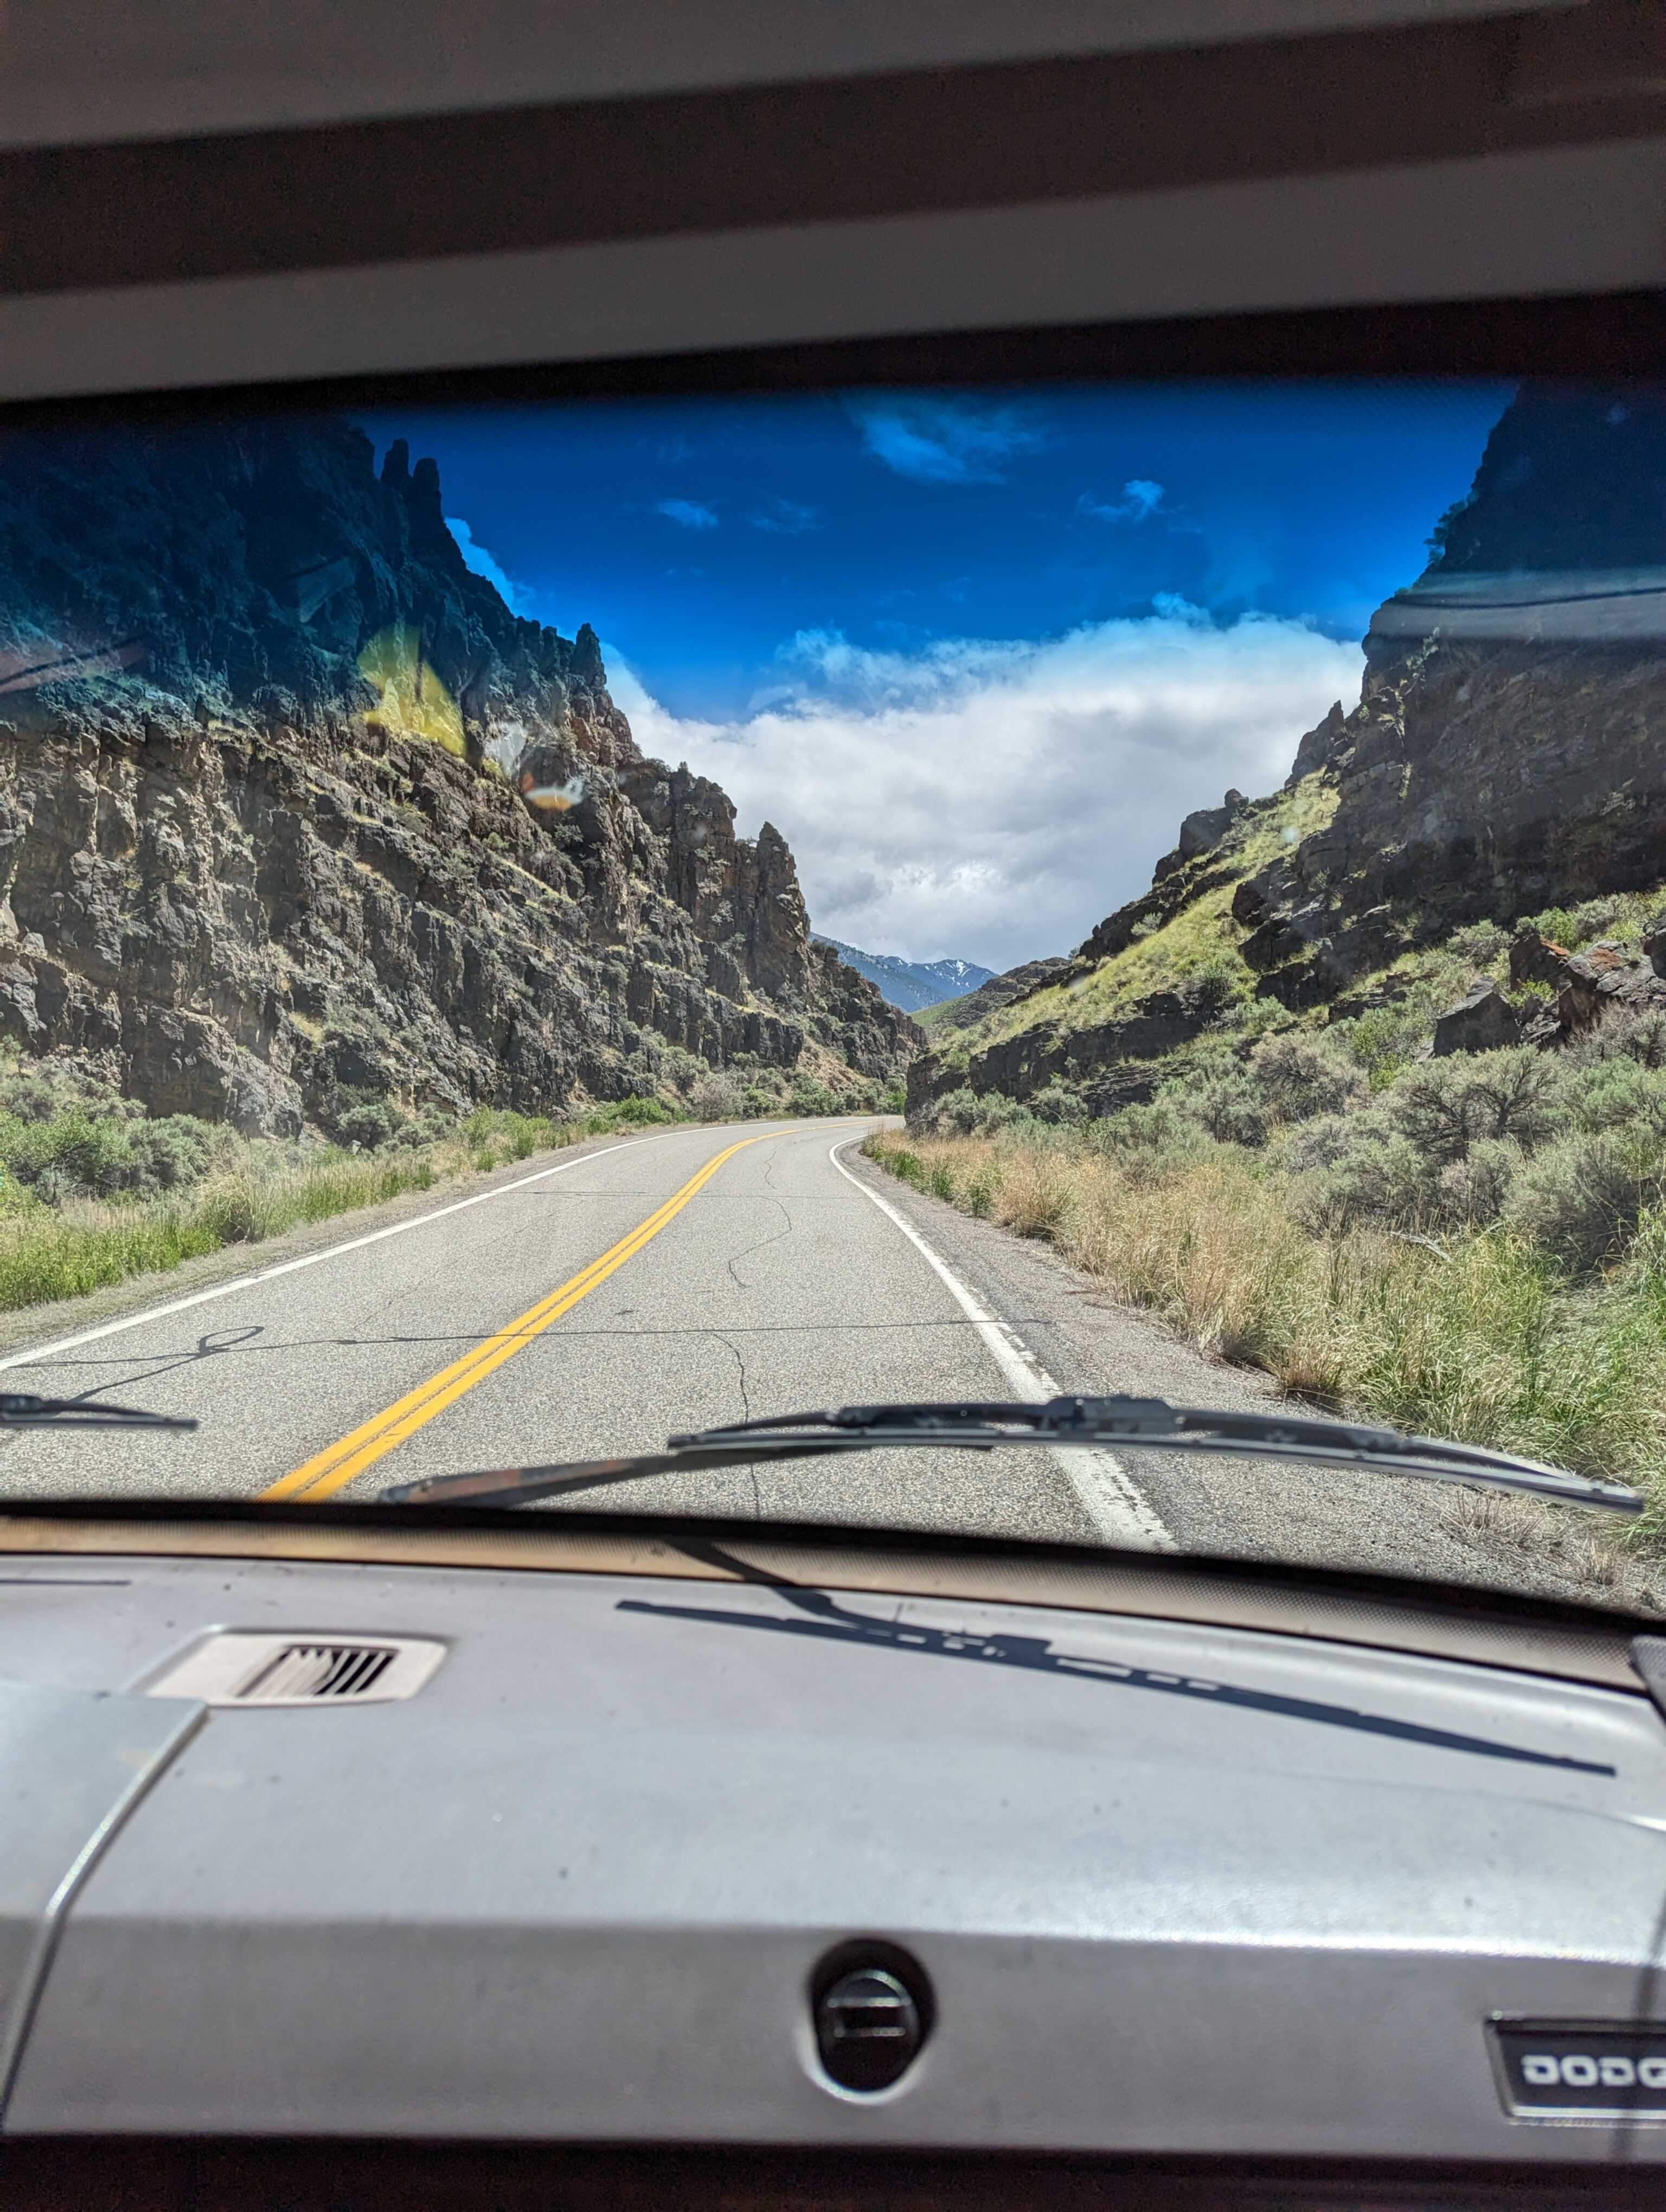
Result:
<point x="787" y="518"/>
<point x="477" y="558"/>
<point x="687" y="514"/>
<point x="941" y="441"/>
<point x="994" y="799"/>
<point x="1140" y="497"/>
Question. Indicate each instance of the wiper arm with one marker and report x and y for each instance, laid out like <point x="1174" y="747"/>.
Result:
<point x="973" y="1426"/>
<point x="20" y="1410"/>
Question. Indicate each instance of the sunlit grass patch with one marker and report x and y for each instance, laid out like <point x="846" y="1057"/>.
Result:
<point x="49" y="1252"/>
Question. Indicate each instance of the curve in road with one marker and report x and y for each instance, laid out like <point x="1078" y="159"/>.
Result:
<point x="703" y="1275"/>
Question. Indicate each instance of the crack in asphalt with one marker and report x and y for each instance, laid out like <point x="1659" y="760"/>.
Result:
<point x="746" y="1410"/>
<point x="762" y="1244"/>
<point x="162" y="1362"/>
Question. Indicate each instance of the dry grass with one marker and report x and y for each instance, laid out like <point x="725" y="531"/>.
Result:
<point x="1542" y="1537"/>
<point x="1488" y="1344"/>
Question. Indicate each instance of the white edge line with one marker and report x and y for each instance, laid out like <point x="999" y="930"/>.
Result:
<point x="44" y="1351"/>
<point x="1109" y="1495"/>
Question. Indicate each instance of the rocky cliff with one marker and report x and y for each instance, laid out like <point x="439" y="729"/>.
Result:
<point x="264" y="848"/>
<point x="1509" y="748"/>
<point x="1508" y="754"/>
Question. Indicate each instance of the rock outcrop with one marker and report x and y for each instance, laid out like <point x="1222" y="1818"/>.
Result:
<point x="1508" y="753"/>
<point x="1483" y="1020"/>
<point x="1508" y="749"/>
<point x="263" y="851"/>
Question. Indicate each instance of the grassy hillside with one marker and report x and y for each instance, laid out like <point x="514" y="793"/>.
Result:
<point x="1199" y="946"/>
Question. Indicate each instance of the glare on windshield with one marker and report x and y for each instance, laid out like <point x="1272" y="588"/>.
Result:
<point x="527" y="930"/>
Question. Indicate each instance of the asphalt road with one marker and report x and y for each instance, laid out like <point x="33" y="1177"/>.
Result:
<point x="590" y="1305"/>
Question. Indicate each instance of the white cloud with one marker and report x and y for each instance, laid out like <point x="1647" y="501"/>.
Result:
<point x="1140" y="497"/>
<point x="477" y="558"/>
<point x="687" y="514"/>
<point x="787" y="518"/>
<point x="993" y="800"/>
<point x="937" y="440"/>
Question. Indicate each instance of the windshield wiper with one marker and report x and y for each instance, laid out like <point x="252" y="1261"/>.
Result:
<point x="19" y="1410"/>
<point x="969" y="1425"/>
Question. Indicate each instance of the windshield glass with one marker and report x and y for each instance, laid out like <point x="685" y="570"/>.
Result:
<point x="527" y="930"/>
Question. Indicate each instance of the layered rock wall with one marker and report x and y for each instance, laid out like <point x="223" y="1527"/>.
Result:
<point x="261" y="845"/>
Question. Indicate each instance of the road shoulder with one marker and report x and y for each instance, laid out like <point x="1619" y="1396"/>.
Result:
<point x="25" y="1326"/>
<point x="1244" y="1508"/>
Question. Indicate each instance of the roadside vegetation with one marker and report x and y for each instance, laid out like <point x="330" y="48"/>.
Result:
<point x="1473" y="1246"/>
<point x="93" y="1190"/>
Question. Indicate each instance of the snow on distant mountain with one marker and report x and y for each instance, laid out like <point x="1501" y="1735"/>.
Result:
<point x="911" y="984"/>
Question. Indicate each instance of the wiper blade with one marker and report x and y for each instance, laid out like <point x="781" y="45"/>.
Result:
<point x="977" y="1425"/>
<point x="21" y="1410"/>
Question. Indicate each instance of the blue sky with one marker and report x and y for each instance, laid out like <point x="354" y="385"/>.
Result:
<point x="856" y="594"/>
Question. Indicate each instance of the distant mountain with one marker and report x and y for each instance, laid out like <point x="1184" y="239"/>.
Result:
<point x="911" y="984"/>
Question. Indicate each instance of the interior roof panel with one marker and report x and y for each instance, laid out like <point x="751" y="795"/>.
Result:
<point x="75" y="72"/>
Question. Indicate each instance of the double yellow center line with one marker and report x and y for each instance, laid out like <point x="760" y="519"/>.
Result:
<point x="332" y="1469"/>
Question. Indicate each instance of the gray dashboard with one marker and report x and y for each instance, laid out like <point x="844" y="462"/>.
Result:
<point x="1176" y="1887"/>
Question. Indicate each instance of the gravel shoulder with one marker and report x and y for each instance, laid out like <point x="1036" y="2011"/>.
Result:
<point x="1261" y="1509"/>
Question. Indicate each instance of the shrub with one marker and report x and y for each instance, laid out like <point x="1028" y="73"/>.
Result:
<point x="1149" y="1142"/>
<point x="1584" y="1198"/>
<point x="31" y="1098"/>
<point x="1474" y="1190"/>
<point x="1384" y="1038"/>
<point x="715" y="1099"/>
<point x="965" y="1113"/>
<point x="1230" y="1107"/>
<point x="956" y="1111"/>
<point x="1377" y="1175"/>
<point x="1595" y="918"/>
<point x="1300" y="1076"/>
<point x="1621" y="1035"/>
<point x="809" y="1096"/>
<point x="1322" y="1142"/>
<point x="169" y="1153"/>
<point x="635" y="1113"/>
<point x="70" y="1150"/>
<point x="1620" y="1093"/>
<point x="428" y="1128"/>
<point x="1479" y="944"/>
<point x="368" y="1126"/>
<point x="1056" y="1104"/>
<point x="1447" y="1105"/>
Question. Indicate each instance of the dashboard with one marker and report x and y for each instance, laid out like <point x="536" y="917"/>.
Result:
<point x="660" y="1843"/>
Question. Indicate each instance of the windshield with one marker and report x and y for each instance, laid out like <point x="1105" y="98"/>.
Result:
<point x="528" y="930"/>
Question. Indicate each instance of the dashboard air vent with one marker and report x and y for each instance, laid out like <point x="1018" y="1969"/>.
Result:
<point x="317" y="1670"/>
<point x="238" y="1667"/>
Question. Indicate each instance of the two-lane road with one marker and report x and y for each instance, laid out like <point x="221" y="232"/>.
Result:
<point x="577" y="1311"/>
<point x="628" y="1290"/>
